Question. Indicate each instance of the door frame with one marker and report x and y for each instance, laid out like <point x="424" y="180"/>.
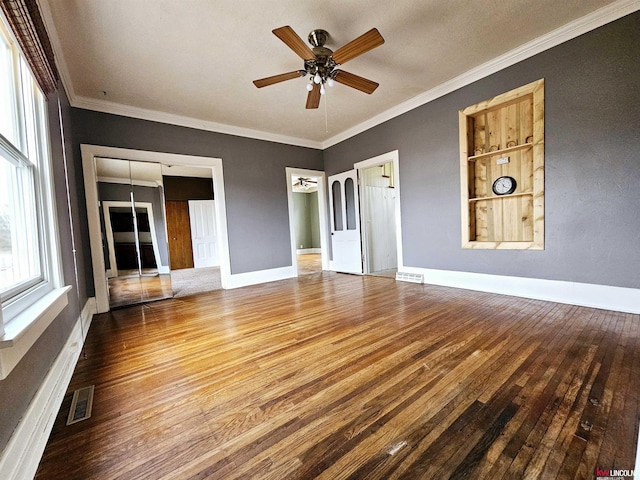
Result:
<point x="322" y="214"/>
<point x="89" y="152"/>
<point x="393" y="157"/>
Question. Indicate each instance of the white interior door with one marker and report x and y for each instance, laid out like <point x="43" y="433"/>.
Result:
<point x="345" y="222"/>
<point x="203" y="233"/>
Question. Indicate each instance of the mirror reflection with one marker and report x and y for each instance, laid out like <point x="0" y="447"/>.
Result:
<point x="134" y="229"/>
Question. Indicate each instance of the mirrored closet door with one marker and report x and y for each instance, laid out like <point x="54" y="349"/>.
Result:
<point x="131" y="198"/>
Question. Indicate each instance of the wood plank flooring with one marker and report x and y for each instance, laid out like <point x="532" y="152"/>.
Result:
<point x="309" y="263"/>
<point x="335" y="376"/>
<point x="134" y="289"/>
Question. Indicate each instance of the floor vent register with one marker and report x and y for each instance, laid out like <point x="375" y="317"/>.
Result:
<point x="81" y="405"/>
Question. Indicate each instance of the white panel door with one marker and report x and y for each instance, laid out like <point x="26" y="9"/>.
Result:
<point x="203" y="233"/>
<point x="345" y="222"/>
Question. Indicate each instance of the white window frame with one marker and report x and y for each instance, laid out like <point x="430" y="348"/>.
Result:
<point x="29" y="310"/>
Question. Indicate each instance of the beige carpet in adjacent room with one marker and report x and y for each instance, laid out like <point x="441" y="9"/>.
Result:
<point x="188" y="281"/>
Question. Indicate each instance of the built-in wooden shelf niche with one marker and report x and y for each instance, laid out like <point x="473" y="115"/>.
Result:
<point x="503" y="136"/>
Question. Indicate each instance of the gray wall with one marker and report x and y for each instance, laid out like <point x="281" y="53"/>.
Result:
<point x="17" y="390"/>
<point x="592" y="165"/>
<point x="305" y="211"/>
<point x="254" y="179"/>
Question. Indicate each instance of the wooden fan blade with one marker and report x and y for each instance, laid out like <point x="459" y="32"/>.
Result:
<point x="360" y="45"/>
<point x="264" y="82"/>
<point x="294" y="42"/>
<point x="313" y="99"/>
<point x="355" y="81"/>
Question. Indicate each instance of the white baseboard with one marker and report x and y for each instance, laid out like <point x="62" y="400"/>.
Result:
<point x="238" y="280"/>
<point x="23" y="453"/>
<point x="89" y="310"/>
<point x="304" y="251"/>
<point x="620" y="299"/>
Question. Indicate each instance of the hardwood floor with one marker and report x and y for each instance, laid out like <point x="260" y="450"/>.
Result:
<point x="346" y="377"/>
<point x="125" y="291"/>
<point x="309" y="263"/>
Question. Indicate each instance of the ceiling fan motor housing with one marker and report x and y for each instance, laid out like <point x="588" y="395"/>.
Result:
<point x="318" y="37"/>
<point x="323" y="64"/>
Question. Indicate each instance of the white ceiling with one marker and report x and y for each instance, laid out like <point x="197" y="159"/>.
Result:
<point x="193" y="62"/>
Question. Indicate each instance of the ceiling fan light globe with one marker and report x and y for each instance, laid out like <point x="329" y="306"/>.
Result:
<point x="309" y="87"/>
<point x="323" y="90"/>
<point x="331" y="82"/>
<point x="317" y="78"/>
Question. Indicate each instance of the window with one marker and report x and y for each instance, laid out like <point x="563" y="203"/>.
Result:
<point x="29" y="254"/>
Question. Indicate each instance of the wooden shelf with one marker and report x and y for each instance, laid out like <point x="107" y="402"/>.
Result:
<point x="501" y="197"/>
<point x="514" y="221"/>
<point x="500" y="152"/>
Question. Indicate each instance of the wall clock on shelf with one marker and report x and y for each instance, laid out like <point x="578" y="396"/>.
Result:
<point x="504" y="185"/>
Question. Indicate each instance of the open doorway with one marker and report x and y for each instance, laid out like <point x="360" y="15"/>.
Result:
<point x="378" y="198"/>
<point x="307" y="224"/>
<point x="380" y="214"/>
<point x="307" y="220"/>
<point x="191" y="227"/>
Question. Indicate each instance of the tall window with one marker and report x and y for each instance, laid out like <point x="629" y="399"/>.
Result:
<point x="27" y="252"/>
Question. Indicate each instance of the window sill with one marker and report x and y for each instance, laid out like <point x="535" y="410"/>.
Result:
<point x="25" y="328"/>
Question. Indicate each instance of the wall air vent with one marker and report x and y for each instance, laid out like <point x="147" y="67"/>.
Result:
<point x="410" y="277"/>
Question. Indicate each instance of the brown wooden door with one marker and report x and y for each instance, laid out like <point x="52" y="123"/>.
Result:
<point x="179" y="232"/>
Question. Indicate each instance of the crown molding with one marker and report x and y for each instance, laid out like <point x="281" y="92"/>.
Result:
<point x="595" y="19"/>
<point x="106" y="106"/>
<point x="571" y="30"/>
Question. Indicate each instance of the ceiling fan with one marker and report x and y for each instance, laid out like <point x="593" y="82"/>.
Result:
<point x="320" y="62"/>
<point x="305" y="183"/>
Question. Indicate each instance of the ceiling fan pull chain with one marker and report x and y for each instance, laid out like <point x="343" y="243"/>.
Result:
<point x="326" y="118"/>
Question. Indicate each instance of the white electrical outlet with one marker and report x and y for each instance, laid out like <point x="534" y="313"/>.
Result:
<point x="502" y="161"/>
